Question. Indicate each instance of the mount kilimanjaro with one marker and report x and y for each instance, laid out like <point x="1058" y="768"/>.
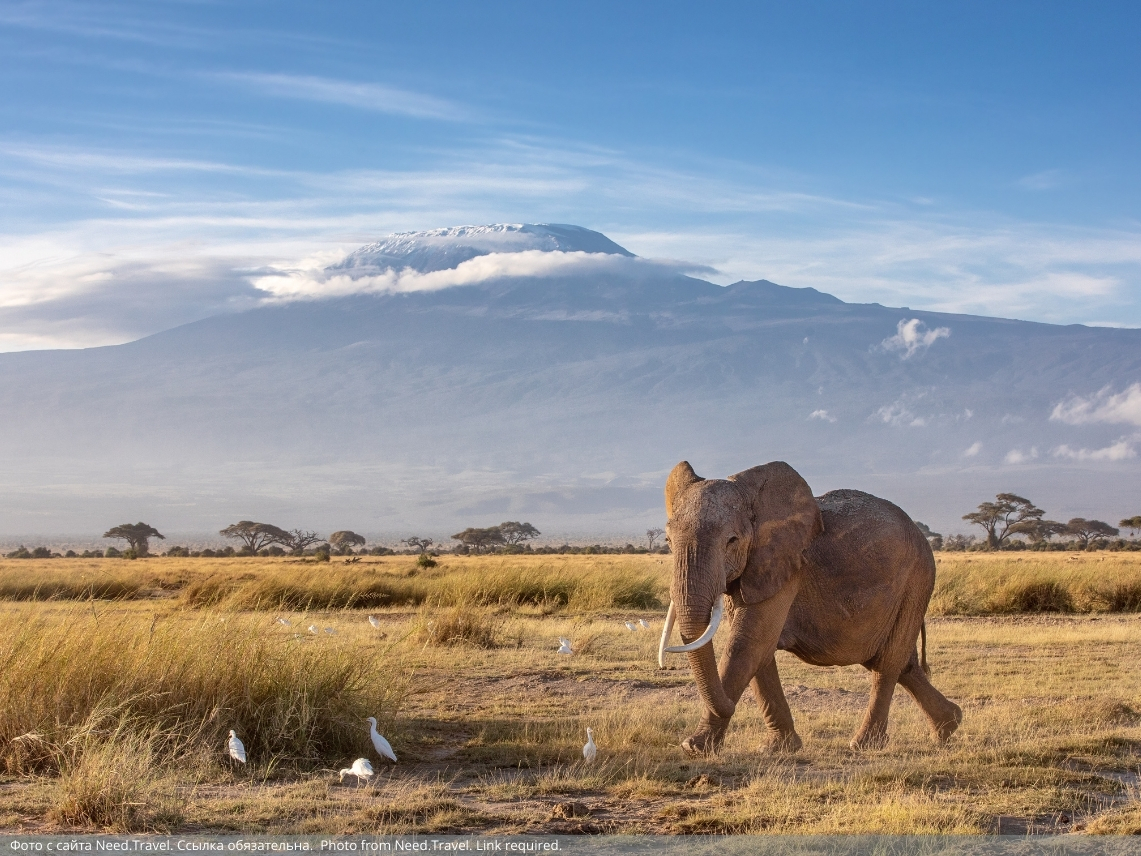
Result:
<point x="457" y="377"/>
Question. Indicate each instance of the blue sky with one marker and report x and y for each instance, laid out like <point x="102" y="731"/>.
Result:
<point x="968" y="157"/>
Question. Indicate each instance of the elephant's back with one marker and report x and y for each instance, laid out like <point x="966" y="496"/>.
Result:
<point x="868" y="562"/>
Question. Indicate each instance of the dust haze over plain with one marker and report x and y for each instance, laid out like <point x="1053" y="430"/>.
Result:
<point x="464" y="376"/>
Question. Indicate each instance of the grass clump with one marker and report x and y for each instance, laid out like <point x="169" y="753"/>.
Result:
<point x="111" y="782"/>
<point x="461" y="625"/>
<point x="185" y="683"/>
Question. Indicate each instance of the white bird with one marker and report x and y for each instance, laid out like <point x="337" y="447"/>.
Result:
<point x="630" y="625"/>
<point x="590" y="751"/>
<point x="330" y="631"/>
<point x="237" y="750"/>
<point x="313" y="628"/>
<point x="361" y="768"/>
<point x="285" y="622"/>
<point x="382" y="746"/>
<point x="645" y="624"/>
<point x="564" y="646"/>
<point x="374" y="621"/>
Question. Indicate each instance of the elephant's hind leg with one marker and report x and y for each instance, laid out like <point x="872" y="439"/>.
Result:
<point x="782" y="736"/>
<point x="943" y="715"/>
<point x="872" y="733"/>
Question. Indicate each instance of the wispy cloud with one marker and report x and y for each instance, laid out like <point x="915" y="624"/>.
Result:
<point x="1103" y="406"/>
<point x="373" y="97"/>
<point x="973" y="449"/>
<point x="315" y="281"/>
<point x="822" y="415"/>
<point x="1047" y="179"/>
<point x="910" y="338"/>
<point x="1018" y="456"/>
<point x="1120" y="451"/>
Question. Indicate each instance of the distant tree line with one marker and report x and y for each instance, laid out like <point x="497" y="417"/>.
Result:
<point x="1013" y="522"/>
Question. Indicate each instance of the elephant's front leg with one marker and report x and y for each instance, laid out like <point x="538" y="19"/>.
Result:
<point x="753" y="637"/>
<point x="782" y="736"/>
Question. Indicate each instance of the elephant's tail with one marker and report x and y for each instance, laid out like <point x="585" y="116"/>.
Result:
<point x="923" y="648"/>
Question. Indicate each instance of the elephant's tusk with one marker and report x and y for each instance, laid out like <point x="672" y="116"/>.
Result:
<point x="714" y="621"/>
<point x="666" y="631"/>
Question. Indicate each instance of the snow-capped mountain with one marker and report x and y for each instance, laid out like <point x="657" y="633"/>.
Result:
<point x="441" y="249"/>
<point x="562" y="398"/>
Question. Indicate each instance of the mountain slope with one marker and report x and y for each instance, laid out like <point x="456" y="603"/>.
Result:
<point x="559" y="399"/>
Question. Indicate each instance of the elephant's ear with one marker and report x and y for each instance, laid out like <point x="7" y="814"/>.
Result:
<point x="681" y="477"/>
<point x="786" y="519"/>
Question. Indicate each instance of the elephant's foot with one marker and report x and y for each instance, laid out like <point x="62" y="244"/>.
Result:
<point x="781" y="742"/>
<point x="870" y="737"/>
<point x="948" y="723"/>
<point x="708" y="739"/>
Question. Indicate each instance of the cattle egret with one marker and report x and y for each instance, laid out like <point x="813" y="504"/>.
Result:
<point x="330" y="631"/>
<point x="379" y="743"/>
<point x="590" y="751"/>
<point x="313" y="628"/>
<point x="564" y="646"/>
<point x="645" y="624"/>
<point x="630" y="625"/>
<point x="237" y="750"/>
<point x="374" y="621"/>
<point x="284" y="622"/>
<point x="361" y="768"/>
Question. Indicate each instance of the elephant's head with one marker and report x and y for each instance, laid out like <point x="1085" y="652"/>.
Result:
<point x="745" y="534"/>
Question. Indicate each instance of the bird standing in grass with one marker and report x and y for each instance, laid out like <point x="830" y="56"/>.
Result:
<point x="565" y="646"/>
<point x="313" y="628"/>
<point x="590" y="751"/>
<point x="382" y="746"/>
<point x="645" y="624"/>
<point x="374" y="621"/>
<point x="330" y="631"/>
<point x="237" y="750"/>
<point x="361" y="768"/>
<point x="284" y="622"/>
<point x="630" y="625"/>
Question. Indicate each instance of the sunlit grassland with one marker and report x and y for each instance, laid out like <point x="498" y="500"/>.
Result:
<point x="113" y="714"/>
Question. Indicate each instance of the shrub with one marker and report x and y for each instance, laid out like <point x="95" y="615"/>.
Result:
<point x="208" y="554"/>
<point x="20" y="552"/>
<point x="425" y="561"/>
<point x="112" y="553"/>
<point x="70" y="554"/>
<point x="461" y="625"/>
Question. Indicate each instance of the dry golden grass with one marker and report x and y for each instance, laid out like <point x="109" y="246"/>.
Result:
<point x="106" y="724"/>
<point x="1024" y="582"/>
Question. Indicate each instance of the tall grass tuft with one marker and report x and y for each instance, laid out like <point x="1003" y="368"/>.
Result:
<point x="184" y="684"/>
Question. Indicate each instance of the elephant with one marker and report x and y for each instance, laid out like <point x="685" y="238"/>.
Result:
<point x="839" y="579"/>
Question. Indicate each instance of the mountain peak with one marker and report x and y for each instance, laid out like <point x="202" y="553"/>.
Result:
<point x="441" y="249"/>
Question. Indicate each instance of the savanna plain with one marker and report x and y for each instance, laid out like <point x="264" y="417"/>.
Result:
<point x="120" y="680"/>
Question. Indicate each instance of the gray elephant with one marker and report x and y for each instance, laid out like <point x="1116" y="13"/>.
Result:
<point x="839" y="579"/>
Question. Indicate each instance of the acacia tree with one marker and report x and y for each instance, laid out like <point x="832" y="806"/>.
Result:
<point x="256" y="536"/>
<point x="1008" y="515"/>
<point x="138" y="535"/>
<point x="1043" y="530"/>
<point x="1132" y="524"/>
<point x="423" y="545"/>
<point x="1086" y="530"/>
<point x="653" y="535"/>
<point x="515" y="533"/>
<point x="299" y="539"/>
<point x="480" y="540"/>
<point x="346" y="539"/>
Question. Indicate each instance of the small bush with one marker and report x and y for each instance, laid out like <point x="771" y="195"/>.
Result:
<point x="112" y="553"/>
<point x="461" y="625"/>
<point x="426" y="561"/>
<point x="20" y="552"/>
<point x="41" y="553"/>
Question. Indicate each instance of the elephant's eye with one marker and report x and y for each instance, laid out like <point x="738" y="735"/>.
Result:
<point x="732" y="541"/>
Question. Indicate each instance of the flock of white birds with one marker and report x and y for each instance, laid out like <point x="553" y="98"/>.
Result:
<point x="362" y="767"/>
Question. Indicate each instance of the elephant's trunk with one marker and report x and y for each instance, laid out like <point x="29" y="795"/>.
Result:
<point x="696" y="588"/>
